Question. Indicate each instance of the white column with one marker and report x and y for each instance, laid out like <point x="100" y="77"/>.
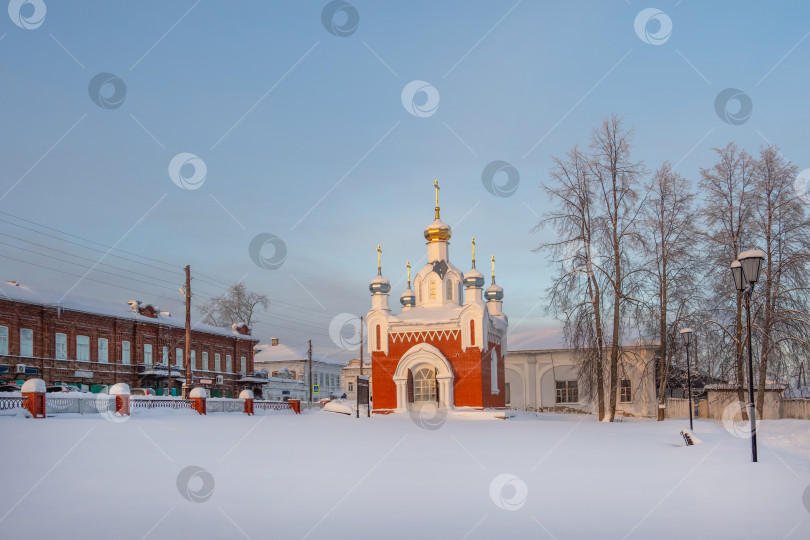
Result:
<point x="532" y="396"/>
<point x="445" y="383"/>
<point x="402" y="393"/>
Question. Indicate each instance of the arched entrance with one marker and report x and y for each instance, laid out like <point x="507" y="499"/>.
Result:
<point x="423" y="374"/>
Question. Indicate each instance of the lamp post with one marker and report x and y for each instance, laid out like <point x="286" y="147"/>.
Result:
<point x="745" y="271"/>
<point x="686" y="336"/>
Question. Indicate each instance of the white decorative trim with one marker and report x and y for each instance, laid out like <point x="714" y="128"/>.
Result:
<point x="434" y="335"/>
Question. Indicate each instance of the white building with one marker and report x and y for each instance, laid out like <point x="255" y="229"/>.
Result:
<point x="349" y="378"/>
<point x="285" y="361"/>
<point x="546" y="380"/>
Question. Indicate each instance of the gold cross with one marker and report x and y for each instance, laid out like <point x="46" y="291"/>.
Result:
<point x="408" y="266"/>
<point x="493" y="267"/>
<point x="473" y="250"/>
<point x="379" y="252"/>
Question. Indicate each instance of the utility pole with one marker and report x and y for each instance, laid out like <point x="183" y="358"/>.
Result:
<point x="361" y="345"/>
<point x="187" y="294"/>
<point x="309" y="355"/>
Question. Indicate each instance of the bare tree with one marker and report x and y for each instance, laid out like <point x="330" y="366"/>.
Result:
<point x="237" y="305"/>
<point x="666" y="234"/>
<point x="575" y="293"/>
<point x="616" y="178"/>
<point x="727" y="215"/>
<point x="783" y="232"/>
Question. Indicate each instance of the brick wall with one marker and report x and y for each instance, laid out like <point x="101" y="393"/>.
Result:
<point x="47" y="321"/>
<point x="471" y="372"/>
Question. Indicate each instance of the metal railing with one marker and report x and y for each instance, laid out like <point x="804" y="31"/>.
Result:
<point x="152" y="403"/>
<point x="270" y="405"/>
<point x="14" y="402"/>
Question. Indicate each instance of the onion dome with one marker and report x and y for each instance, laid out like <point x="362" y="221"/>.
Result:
<point x="437" y="231"/>
<point x="494" y="292"/>
<point x="408" y="298"/>
<point x="379" y="285"/>
<point x="473" y="278"/>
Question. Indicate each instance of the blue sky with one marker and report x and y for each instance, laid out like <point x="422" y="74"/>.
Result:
<point x="304" y="134"/>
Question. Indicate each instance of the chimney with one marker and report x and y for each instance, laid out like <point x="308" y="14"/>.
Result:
<point x="274" y="341"/>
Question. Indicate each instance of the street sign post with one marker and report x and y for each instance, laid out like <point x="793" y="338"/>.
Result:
<point x="363" y="394"/>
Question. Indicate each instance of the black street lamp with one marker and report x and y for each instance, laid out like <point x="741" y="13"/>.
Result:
<point x="746" y="270"/>
<point x="686" y="336"/>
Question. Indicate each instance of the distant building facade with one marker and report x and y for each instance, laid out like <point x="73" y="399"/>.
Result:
<point x="91" y="343"/>
<point x="548" y="380"/>
<point x="293" y="362"/>
<point x="349" y="378"/>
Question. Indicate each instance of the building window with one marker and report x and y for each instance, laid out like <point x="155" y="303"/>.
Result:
<point x="472" y="333"/>
<point x="493" y="372"/>
<point x="61" y="347"/>
<point x="449" y="286"/>
<point x="625" y="392"/>
<point x="378" y="338"/>
<point x="228" y="363"/>
<point x="205" y="361"/>
<point x="508" y="398"/>
<point x="3" y="339"/>
<point x="567" y="392"/>
<point x="217" y="362"/>
<point x="243" y="366"/>
<point x="193" y="359"/>
<point x="351" y="387"/>
<point x="125" y="352"/>
<point x="178" y="357"/>
<point x="26" y="342"/>
<point x="424" y="385"/>
<point x="103" y="351"/>
<point x="433" y="289"/>
<point x="82" y="348"/>
<point x="165" y="359"/>
<point x="147" y="354"/>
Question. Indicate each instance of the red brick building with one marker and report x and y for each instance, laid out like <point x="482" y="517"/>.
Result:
<point x="447" y="345"/>
<point x="95" y="343"/>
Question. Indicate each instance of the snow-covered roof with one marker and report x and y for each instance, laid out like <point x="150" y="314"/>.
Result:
<point x="429" y="314"/>
<point x="285" y="353"/>
<point x="769" y="386"/>
<point x="121" y="310"/>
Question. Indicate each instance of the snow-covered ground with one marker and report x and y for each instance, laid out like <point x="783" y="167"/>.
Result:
<point x="173" y="474"/>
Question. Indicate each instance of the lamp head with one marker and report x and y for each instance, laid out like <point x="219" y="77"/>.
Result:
<point x="736" y="273"/>
<point x="686" y="336"/>
<point x="751" y="262"/>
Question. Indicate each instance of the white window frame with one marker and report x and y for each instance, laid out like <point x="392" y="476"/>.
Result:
<point x="83" y="348"/>
<point x="125" y="353"/>
<point x="4" y="340"/>
<point x="193" y="359"/>
<point x="205" y="360"/>
<point x="178" y="357"/>
<point x="228" y="363"/>
<point x="27" y="342"/>
<point x="243" y="366"/>
<point x="217" y="362"/>
<point x="60" y="353"/>
<point x="147" y="354"/>
<point x="165" y="358"/>
<point x="103" y="351"/>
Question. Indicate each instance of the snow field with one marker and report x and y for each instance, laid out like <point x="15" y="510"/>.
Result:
<point x="321" y="474"/>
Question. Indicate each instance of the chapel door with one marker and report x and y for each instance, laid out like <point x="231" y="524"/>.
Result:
<point x="424" y="385"/>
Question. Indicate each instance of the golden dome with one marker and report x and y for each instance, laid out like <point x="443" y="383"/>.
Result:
<point x="438" y="231"/>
